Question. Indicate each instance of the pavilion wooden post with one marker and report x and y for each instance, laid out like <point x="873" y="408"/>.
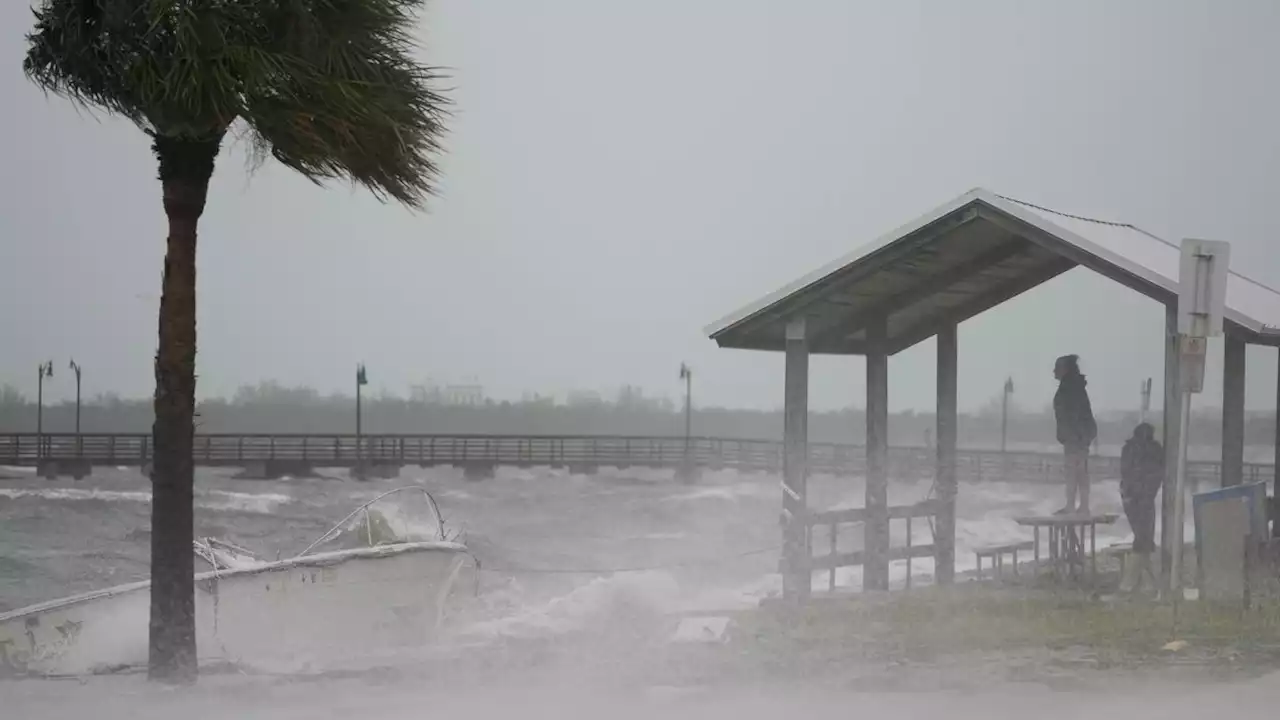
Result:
<point x="1275" y="469"/>
<point x="797" y="557"/>
<point x="1231" y="470"/>
<point x="944" y="542"/>
<point x="875" y="568"/>
<point x="1172" y="406"/>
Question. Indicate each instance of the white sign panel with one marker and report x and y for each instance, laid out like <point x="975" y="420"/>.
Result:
<point x="1202" y="286"/>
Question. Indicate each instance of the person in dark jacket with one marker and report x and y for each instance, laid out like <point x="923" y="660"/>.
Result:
<point x="1076" y="431"/>
<point x="1141" y="476"/>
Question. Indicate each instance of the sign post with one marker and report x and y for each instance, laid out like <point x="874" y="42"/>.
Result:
<point x="1202" y="291"/>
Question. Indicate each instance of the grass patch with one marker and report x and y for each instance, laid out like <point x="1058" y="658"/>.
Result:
<point x="937" y="624"/>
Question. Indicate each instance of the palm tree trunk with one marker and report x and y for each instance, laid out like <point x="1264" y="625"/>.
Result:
<point x="185" y="168"/>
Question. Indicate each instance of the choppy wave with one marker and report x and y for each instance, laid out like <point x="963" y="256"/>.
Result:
<point x="75" y="494"/>
<point x="586" y="556"/>
<point x="598" y="600"/>
<point x="213" y="499"/>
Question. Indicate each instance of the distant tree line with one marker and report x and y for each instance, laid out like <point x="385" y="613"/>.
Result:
<point x="273" y="408"/>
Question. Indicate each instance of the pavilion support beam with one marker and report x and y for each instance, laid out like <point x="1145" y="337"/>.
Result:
<point x="1078" y="255"/>
<point x="945" y="543"/>
<point x="796" y="302"/>
<point x="875" y="570"/>
<point x="797" y="557"/>
<point x="1004" y="292"/>
<point x="1233" y="379"/>
<point x="927" y="287"/>
<point x="1172" y="408"/>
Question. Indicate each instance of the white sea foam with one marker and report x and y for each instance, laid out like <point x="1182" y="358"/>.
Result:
<point x="213" y="499"/>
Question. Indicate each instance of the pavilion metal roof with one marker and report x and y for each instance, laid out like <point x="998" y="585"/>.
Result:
<point x="964" y="258"/>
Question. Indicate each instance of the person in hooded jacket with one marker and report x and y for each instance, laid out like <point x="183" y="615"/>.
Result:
<point x="1141" y="476"/>
<point x="1077" y="430"/>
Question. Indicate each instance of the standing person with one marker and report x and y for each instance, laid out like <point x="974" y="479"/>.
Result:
<point x="1141" y="476"/>
<point x="1076" y="431"/>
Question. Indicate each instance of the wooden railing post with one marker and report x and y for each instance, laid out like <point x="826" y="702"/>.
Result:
<point x="835" y="549"/>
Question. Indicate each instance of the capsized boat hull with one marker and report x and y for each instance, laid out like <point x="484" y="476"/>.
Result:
<point x="279" y="616"/>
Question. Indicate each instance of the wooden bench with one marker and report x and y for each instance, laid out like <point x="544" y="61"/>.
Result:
<point x="1120" y="550"/>
<point x="997" y="552"/>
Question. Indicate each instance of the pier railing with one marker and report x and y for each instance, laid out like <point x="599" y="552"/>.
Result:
<point x="574" y="451"/>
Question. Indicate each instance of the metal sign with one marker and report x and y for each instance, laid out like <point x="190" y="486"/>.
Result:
<point x="1202" y="293"/>
<point x="1202" y="286"/>
<point x="1191" y="361"/>
<point x="1215" y="562"/>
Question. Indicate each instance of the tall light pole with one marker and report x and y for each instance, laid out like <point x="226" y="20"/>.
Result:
<point x="44" y="371"/>
<point x="686" y="374"/>
<point x="362" y="379"/>
<point x="75" y="368"/>
<point x="1004" y="415"/>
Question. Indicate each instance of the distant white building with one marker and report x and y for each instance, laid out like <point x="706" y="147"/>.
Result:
<point x="427" y="392"/>
<point x="466" y="394"/>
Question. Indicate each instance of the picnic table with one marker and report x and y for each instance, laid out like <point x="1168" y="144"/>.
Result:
<point x="1066" y="535"/>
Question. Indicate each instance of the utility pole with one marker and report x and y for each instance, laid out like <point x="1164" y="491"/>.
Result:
<point x="686" y="374"/>
<point x="44" y="371"/>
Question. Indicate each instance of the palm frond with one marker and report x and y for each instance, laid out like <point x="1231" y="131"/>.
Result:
<point x="347" y="98"/>
<point x="330" y="88"/>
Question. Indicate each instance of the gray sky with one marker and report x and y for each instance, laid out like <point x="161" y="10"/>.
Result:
<point x="621" y="174"/>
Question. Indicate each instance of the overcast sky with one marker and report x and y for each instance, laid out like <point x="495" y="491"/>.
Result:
<point x="621" y="174"/>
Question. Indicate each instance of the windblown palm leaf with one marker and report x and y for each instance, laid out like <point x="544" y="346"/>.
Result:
<point x="327" y="87"/>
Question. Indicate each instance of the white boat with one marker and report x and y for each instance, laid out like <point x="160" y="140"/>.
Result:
<point x="375" y="581"/>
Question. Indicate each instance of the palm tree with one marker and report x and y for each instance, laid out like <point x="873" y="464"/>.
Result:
<point x="327" y="87"/>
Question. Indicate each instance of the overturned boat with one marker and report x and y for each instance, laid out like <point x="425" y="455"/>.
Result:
<point x="384" y="577"/>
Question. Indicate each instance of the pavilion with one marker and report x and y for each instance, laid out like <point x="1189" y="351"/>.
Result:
<point x="924" y="279"/>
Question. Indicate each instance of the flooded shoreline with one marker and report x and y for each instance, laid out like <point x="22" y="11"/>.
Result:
<point x="584" y="581"/>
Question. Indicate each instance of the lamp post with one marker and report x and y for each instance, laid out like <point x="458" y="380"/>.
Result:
<point x="1004" y="415"/>
<point x="75" y="368"/>
<point x="686" y="374"/>
<point x="362" y="379"/>
<point x="1004" y="427"/>
<point x="44" y="371"/>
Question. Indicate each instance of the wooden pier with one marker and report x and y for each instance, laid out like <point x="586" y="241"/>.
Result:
<point x="294" y="454"/>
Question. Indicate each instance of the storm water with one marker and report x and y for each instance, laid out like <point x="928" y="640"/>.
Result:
<point x="580" y="573"/>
